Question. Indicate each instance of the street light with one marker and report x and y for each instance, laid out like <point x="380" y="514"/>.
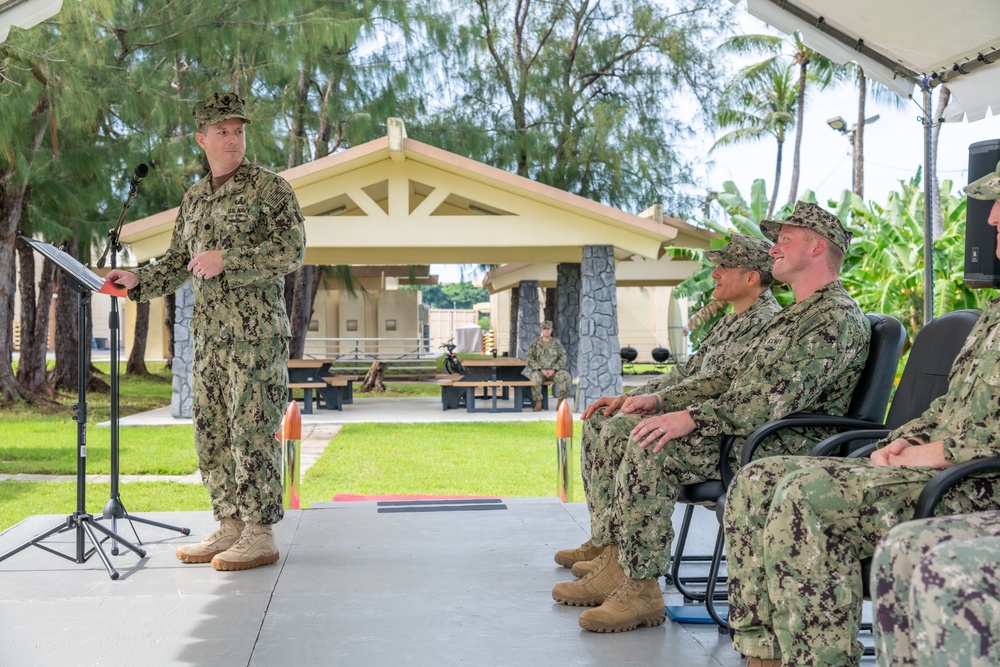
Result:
<point x="840" y="125"/>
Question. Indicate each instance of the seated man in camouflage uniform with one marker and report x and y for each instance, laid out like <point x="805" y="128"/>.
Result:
<point x="798" y="527"/>
<point x="936" y="597"/>
<point x="546" y="359"/>
<point x="808" y="359"/>
<point x="743" y="278"/>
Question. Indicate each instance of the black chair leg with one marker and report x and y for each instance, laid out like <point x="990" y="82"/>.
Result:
<point x="713" y="578"/>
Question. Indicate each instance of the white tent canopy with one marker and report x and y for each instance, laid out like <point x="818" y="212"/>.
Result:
<point x="905" y="43"/>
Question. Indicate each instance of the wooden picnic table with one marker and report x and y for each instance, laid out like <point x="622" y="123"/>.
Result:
<point x="494" y="376"/>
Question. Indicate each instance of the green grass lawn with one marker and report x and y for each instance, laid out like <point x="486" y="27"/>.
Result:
<point x="490" y="459"/>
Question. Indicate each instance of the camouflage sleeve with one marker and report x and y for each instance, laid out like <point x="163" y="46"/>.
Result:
<point x="531" y="357"/>
<point x="169" y="271"/>
<point x="704" y="385"/>
<point x="284" y="250"/>
<point x="559" y="360"/>
<point x="965" y="417"/>
<point x="791" y="378"/>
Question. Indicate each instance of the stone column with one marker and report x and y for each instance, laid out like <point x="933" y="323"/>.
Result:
<point x="512" y="312"/>
<point x="529" y="324"/>
<point x="568" y="285"/>
<point x="599" y="363"/>
<point x="183" y="361"/>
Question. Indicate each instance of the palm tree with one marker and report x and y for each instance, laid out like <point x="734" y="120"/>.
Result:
<point x="813" y="68"/>
<point x="760" y="101"/>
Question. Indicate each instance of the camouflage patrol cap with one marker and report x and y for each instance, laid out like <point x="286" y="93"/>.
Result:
<point x="546" y="324"/>
<point x="218" y="107"/>
<point x="744" y="252"/>
<point x="811" y="216"/>
<point x="987" y="187"/>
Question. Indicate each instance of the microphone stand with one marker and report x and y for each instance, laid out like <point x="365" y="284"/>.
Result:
<point x="114" y="509"/>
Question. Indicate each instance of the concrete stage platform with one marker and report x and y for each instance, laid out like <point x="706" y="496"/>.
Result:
<point x="358" y="584"/>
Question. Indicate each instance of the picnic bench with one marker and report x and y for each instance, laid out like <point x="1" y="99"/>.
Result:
<point x="458" y="391"/>
<point x="312" y="375"/>
<point x="307" y="393"/>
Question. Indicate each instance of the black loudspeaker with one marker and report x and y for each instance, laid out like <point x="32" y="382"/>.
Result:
<point x="982" y="268"/>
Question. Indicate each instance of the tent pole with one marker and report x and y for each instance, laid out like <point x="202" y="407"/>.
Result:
<point x="928" y="227"/>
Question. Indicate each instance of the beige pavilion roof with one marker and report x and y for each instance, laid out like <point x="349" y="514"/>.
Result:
<point x="399" y="201"/>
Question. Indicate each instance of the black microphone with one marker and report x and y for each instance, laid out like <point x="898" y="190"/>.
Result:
<point x="140" y="173"/>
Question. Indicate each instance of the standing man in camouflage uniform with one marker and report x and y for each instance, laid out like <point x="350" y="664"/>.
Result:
<point x="798" y="527"/>
<point x="546" y="359"/>
<point x="743" y="278"/>
<point x="808" y="359"/>
<point x="237" y="234"/>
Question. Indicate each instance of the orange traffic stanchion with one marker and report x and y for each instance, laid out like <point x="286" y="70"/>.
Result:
<point x="564" y="452"/>
<point x="291" y="453"/>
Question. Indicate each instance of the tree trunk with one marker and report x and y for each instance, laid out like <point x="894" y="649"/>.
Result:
<point x="374" y="379"/>
<point x="937" y="215"/>
<point x="136" y="364"/>
<point x="14" y="198"/>
<point x="549" y="313"/>
<point x="64" y="375"/>
<point x="800" y="104"/>
<point x="777" y="180"/>
<point x="515" y="306"/>
<point x="34" y="322"/>
<point x="301" y="312"/>
<point x="289" y="293"/>
<point x="858" y="140"/>
<point x="296" y="134"/>
<point x="169" y="317"/>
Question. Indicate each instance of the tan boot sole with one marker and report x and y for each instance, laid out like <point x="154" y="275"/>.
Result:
<point x="191" y="558"/>
<point x="219" y="564"/>
<point x="649" y="622"/>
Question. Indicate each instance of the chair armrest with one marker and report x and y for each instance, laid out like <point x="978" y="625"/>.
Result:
<point x="945" y="480"/>
<point x="862" y="452"/>
<point x="799" y="420"/>
<point x="834" y="442"/>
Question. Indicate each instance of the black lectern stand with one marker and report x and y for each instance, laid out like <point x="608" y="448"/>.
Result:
<point x="84" y="282"/>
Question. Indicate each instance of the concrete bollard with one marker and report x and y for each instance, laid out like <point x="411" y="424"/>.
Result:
<point x="291" y="453"/>
<point x="564" y="452"/>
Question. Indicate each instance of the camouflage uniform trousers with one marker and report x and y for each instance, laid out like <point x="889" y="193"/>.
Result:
<point x="936" y="595"/>
<point x="240" y="389"/>
<point x="601" y="449"/>
<point x="562" y="380"/>
<point x="796" y="529"/>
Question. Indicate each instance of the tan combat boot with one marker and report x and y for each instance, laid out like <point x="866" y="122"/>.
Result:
<point x="763" y="662"/>
<point x="583" y="568"/>
<point x="255" y="547"/>
<point x="538" y="407"/>
<point x="593" y="589"/>
<point x="586" y="551"/>
<point x="229" y="531"/>
<point x="635" y="602"/>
